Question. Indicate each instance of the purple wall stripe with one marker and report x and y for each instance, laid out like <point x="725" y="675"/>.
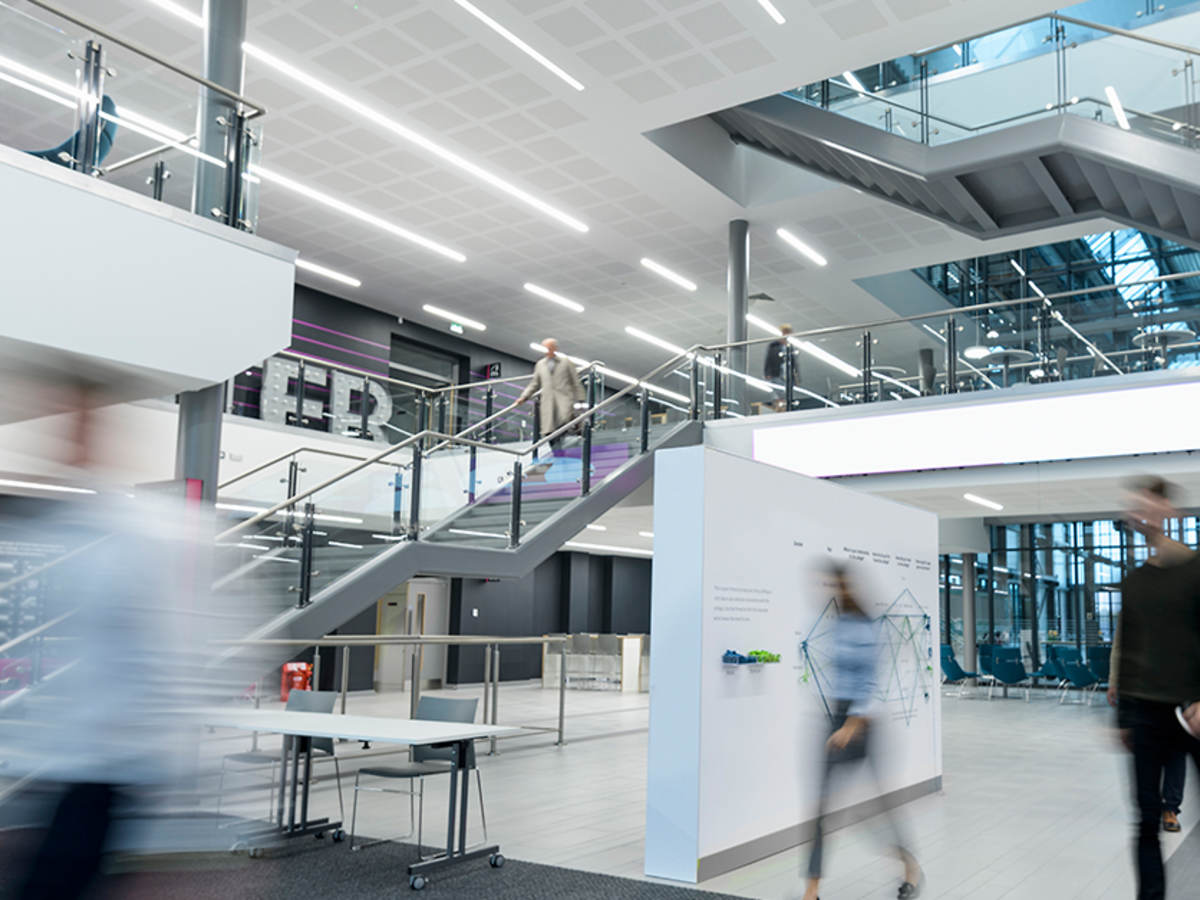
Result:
<point x="342" y="334"/>
<point x="296" y="337"/>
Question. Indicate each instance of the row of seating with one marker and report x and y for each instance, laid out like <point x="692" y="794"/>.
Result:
<point x="1063" y="666"/>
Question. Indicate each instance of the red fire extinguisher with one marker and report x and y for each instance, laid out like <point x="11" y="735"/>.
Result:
<point x="295" y="676"/>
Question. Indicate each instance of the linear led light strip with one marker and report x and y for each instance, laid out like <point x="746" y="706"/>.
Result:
<point x="327" y="273"/>
<point x="553" y="297"/>
<point x="326" y="517"/>
<point x="380" y="119"/>
<point x="618" y="376"/>
<point x="271" y="177"/>
<point x="524" y="47"/>
<point x="610" y="548"/>
<point x="771" y="11"/>
<point x="704" y="360"/>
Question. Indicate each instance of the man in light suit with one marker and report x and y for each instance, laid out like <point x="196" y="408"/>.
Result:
<point x="558" y="380"/>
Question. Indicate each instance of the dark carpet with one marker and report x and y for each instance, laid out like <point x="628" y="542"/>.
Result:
<point x="316" y="868"/>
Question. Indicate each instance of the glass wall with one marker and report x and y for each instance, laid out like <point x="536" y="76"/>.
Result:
<point x="1048" y="583"/>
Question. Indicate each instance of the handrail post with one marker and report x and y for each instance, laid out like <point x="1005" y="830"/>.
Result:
<point x="414" y="495"/>
<point x="537" y="423"/>
<point x="471" y="483"/>
<point x="562" y="688"/>
<point x="495" y="693"/>
<point x="644" y="425"/>
<point x="158" y="183"/>
<point x="362" y="412"/>
<point x="316" y="679"/>
<point x="443" y="415"/>
<point x="866" y="366"/>
<point x="697" y="394"/>
<point x="487" y="680"/>
<point x="489" y="407"/>
<point x="585" y="467"/>
<point x="237" y="151"/>
<point x="789" y="377"/>
<point x="514" y="526"/>
<point x="717" y="387"/>
<point x="306" y="556"/>
<point x="293" y="488"/>
<point x="951" y="356"/>
<point x="422" y="410"/>
<point x="414" y="685"/>
<point x="300" y="379"/>
<point x="85" y="151"/>
<point x="345" y="675"/>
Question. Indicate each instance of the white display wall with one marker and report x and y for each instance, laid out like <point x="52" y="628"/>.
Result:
<point x="740" y="563"/>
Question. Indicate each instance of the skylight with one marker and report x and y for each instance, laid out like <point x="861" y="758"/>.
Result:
<point x="1113" y="247"/>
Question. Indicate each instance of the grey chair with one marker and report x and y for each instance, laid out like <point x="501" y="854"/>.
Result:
<point x="426" y="761"/>
<point x="297" y="701"/>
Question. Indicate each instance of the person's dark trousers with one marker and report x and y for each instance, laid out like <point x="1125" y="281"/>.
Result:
<point x="1155" y="736"/>
<point x="1174" y="775"/>
<point x="71" y="850"/>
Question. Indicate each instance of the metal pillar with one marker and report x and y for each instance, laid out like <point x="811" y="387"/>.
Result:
<point x="738" y="286"/>
<point x="198" y="445"/>
<point x="968" y="611"/>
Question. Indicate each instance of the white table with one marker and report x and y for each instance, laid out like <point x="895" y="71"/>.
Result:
<point x="300" y="727"/>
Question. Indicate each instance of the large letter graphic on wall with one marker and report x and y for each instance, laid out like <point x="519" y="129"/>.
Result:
<point x="339" y="406"/>
<point x="275" y="401"/>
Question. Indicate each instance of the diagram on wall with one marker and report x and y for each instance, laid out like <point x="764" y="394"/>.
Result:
<point x="905" y="670"/>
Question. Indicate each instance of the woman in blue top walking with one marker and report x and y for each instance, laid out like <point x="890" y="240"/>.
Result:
<point x="855" y="658"/>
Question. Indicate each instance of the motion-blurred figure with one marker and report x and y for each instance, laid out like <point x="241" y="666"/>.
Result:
<point x="558" y="380"/>
<point x="853" y="739"/>
<point x="106" y="729"/>
<point x="775" y="364"/>
<point x="1156" y="667"/>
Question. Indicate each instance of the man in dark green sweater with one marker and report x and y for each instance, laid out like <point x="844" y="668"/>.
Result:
<point x="1158" y="664"/>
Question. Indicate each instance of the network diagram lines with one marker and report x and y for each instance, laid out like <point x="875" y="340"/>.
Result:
<point x="904" y="674"/>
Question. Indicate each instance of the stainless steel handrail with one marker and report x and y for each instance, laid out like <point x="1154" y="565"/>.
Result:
<point x="258" y="108"/>
<point x="146" y="154"/>
<point x="34" y="632"/>
<point x="54" y="562"/>
<point x="278" y="459"/>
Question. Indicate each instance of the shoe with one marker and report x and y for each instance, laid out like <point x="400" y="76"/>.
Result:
<point x="1171" y="822"/>
<point x="909" y="890"/>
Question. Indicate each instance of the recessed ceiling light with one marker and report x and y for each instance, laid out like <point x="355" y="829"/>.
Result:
<point x="646" y="534"/>
<point x="983" y="501"/>
<point x="553" y="297"/>
<point x="1118" y="110"/>
<point x="798" y="244"/>
<point x="1037" y="290"/>
<point x="454" y="318"/>
<point x="427" y="144"/>
<point x="1016" y="265"/>
<point x="656" y="341"/>
<point x="826" y="357"/>
<point x="518" y="43"/>
<point x="763" y="324"/>
<point x="327" y="273"/>
<point x="594" y="527"/>
<point x="659" y="269"/>
<point x="772" y="11"/>
<point x="179" y="12"/>
<point x="290" y="184"/>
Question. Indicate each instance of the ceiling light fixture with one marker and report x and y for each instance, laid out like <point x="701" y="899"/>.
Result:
<point x="179" y="12"/>
<point x="771" y="11"/>
<point x="646" y="534"/>
<point x="453" y="318"/>
<point x="553" y="297"/>
<point x="595" y="527"/>
<point x="834" y="145"/>
<point x="896" y="381"/>
<point x="1037" y="290"/>
<point x="272" y="177"/>
<point x="826" y="357"/>
<point x="853" y="81"/>
<point x="1016" y="265"/>
<point x="763" y="324"/>
<point x="1118" y="110"/>
<point x="976" y="352"/>
<point x="327" y="273"/>
<point x="983" y="501"/>
<point x="657" y="268"/>
<point x="799" y="245"/>
<point x="345" y="545"/>
<point x="518" y="43"/>
<point x="656" y="341"/>
<point x="428" y="145"/>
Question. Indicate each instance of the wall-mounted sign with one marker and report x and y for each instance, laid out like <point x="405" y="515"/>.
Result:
<point x="493" y="370"/>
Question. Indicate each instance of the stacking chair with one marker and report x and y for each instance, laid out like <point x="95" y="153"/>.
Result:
<point x="1079" y="676"/>
<point x="953" y="673"/>
<point x="1008" y="670"/>
<point x="984" y="652"/>
<point x="297" y="701"/>
<point x="426" y="761"/>
<point x="1099" y="660"/>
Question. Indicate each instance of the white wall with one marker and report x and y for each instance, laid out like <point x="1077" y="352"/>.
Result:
<point x="96" y="274"/>
<point x="740" y="557"/>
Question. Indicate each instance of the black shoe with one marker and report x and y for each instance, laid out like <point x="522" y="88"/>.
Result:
<point x="909" y="890"/>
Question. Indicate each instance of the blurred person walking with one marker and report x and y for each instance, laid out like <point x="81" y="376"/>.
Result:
<point x="1157" y="667"/>
<point x="853" y="738"/>
<point x="775" y="363"/>
<point x="561" y="391"/>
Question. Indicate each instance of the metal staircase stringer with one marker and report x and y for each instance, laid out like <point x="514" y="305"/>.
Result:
<point x="358" y="589"/>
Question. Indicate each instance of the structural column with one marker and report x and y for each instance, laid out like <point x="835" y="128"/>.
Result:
<point x="968" y="611"/>
<point x="738" y="285"/>
<point x="198" y="443"/>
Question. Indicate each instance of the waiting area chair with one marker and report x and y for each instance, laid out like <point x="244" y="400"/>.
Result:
<point x="1009" y="671"/>
<point x="955" y="674"/>
<point x="1081" y="677"/>
<point x="425" y="762"/>
<point x="297" y="701"/>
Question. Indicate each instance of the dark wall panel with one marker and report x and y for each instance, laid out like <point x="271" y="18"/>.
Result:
<point x="630" y="596"/>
